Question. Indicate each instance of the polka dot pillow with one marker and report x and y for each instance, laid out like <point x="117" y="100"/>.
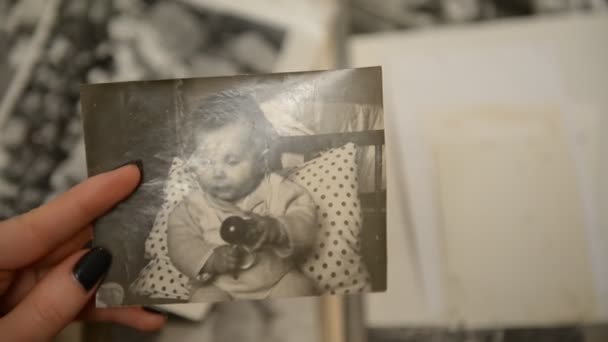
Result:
<point x="335" y="262"/>
<point x="159" y="278"/>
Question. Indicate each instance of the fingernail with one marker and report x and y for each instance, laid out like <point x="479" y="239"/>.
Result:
<point x="137" y="162"/>
<point x="140" y="166"/>
<point x="92" y="267"/>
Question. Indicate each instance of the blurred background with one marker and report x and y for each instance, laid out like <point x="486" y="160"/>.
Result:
<point x="553" y="49"/>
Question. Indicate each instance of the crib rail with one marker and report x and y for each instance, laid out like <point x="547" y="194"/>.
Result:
<point x="310" y="146"/>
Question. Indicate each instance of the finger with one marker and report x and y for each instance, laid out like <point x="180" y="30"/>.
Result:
<point x="134" y="317"/>
<point x="6" y="279"/>
<point x="229" y="262"/>
<point x="235" y="266"/>
<point x="57" y="299"/>
<point x="261" y="240"/>
<point x="227" y="255"/>
<point x="21" y="284"/>
<point x="235" y="260"/>
<point x="234" y="254"/>
<point x="275" y="236"/>
<point x="26" y="238"/>
<point x="74" y="244"/>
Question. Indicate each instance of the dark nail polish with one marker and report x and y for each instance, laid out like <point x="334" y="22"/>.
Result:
<point x="92" y="267"/>
<point x="137" y="162"/>
<point x="140" y="165"/>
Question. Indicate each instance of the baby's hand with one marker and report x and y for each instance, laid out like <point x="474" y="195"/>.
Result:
<point x="225" y="259"/>
<point x="267" y="230"/>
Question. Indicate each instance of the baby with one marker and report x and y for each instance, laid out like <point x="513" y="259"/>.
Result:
<point x="232" y="138"/>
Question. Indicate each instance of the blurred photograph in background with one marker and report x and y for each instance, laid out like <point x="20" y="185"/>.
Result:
<point x="369" y="16"/>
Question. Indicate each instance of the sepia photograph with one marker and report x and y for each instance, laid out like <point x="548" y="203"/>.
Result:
<point x="254" y="187"/>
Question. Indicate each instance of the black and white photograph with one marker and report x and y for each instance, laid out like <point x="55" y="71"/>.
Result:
<point x="254" y="187"/>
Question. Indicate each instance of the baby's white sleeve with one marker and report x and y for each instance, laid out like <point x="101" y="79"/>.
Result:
<point x="188" y="249"/>
<point x="298" y="218"/>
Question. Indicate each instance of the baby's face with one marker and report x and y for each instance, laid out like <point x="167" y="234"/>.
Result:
<point x="225" y="164"/>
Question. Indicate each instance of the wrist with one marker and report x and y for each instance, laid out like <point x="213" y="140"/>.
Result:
<point x="206" y="273"/>
<point x="209" y="266"/>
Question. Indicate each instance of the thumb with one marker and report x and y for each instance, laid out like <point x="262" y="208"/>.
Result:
<point x="58" y="298"/>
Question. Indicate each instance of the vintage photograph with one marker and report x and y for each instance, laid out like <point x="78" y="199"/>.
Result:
<point x="254" y="187"/>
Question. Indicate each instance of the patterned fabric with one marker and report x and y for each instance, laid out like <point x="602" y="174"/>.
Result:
<point x="336" y="262"/>
<point x="160" y="279"/>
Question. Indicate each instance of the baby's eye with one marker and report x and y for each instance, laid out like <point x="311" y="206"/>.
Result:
<point x="233" y="162"/>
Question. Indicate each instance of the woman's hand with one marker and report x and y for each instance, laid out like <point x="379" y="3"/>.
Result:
<point x="46" y="279"/>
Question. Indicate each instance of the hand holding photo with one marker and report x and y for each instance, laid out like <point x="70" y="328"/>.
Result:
<point x="254" y="187"/>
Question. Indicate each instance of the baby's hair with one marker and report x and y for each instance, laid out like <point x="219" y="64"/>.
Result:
<point x="230" y="107"/>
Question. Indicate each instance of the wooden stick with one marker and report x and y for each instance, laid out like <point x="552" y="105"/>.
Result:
<point x="332" y="319"/>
